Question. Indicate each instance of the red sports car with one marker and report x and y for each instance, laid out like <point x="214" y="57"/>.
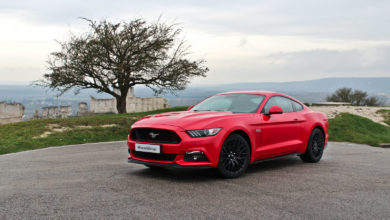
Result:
<point x="229" y="131"/>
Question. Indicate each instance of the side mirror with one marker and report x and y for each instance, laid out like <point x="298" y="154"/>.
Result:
<point x="189" y="108"/>
<point x="275" y="110"/>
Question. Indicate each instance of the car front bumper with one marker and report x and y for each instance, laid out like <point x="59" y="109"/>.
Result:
<point x="165" y="165"/>
<point x="210" y="146"/>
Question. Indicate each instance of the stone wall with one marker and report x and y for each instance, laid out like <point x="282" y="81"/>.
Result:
<point x="133" y="104"/>
<point x="83" y="109"/>
<point x="103" y="105"/>
<point x="331" y="104"/>
<point x="50" y="112"/>
<point x="14" y="112"/>
<point x="65" y="112"/>
<point x="56" y="112"/>
<point x="11" y="112"/>
<point x="136" y="104"/>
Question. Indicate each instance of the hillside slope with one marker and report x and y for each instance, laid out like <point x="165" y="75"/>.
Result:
<point x="353" y="128"/>
<point x="42" y="133"/>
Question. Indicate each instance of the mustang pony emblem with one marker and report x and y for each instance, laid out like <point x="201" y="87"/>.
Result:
<point x="153" y="135"/>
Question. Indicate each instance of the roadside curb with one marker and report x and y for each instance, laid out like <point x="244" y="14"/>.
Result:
<point x="385" y="145"/>
<point x="64" y="146"/>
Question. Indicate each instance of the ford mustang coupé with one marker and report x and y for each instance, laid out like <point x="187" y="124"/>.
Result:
<point x="229" y="131"/>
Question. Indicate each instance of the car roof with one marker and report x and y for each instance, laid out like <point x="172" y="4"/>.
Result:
<point x="266" y="93"/>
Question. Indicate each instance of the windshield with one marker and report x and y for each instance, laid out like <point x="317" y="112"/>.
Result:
<point x="236" y="103"/>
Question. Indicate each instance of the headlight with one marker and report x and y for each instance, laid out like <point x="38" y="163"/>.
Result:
<point x="203" y="132"/>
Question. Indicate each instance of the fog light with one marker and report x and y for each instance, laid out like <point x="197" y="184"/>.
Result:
<point x="195" y="156"/>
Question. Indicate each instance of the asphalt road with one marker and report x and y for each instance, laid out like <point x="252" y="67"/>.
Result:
<point x="94" y="181"/>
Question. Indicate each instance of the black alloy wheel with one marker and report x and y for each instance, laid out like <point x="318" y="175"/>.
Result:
<point x="234" y="157"/>
<point x="315" y="147"/>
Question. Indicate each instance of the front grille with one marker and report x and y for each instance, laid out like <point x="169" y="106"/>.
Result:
<point x="152" y="156"/>
<point x="154" y="135"/>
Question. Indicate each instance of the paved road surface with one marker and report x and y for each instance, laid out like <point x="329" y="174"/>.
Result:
<point x="94" y="181"/>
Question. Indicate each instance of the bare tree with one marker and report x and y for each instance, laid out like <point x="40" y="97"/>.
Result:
<point x="356" y="97"/>
<point x="114" y="57"/>
<point x="340" y="95"/>
<point x="373" y="101"/>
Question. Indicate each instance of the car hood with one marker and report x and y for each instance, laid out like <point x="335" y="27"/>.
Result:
<point x="183" y="119"/>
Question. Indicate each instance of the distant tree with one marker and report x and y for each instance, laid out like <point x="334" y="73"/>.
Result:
<point x="356" y="97"/>
<point x="373" y="101"/>
<point x="340" y="95"/>
<point x="114" y="57"/>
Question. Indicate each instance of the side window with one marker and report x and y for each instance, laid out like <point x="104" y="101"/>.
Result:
<point x="297" y="107"/>
<point x="280" y="101"/>
<point x="269" y="104"/>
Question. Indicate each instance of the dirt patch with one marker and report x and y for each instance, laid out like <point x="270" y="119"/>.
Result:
<point x="108" y="126"/>
<point x="367" y="112"/>
<point x="56" y="128"/>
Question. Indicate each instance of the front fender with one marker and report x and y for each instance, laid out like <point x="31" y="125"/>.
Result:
<point x="240" y="129"/>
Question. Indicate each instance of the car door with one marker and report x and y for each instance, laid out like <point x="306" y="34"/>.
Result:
<point x="279" y="132"/>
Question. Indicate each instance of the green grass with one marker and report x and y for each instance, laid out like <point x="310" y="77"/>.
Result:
<point x="386" y="115"/>
<point x="352" y="128"/>
<point x="23" y="136"/>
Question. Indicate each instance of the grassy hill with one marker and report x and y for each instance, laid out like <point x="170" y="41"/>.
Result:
<point x="352" y="128"/>
<point x="43" y="133"/>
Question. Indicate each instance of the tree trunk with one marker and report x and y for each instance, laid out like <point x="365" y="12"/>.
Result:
<point x="121" y="103"/>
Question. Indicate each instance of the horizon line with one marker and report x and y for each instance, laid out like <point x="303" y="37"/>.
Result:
<point x="23" y="83"/>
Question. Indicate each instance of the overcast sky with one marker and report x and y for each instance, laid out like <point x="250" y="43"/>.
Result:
<point x="242" y="41"/>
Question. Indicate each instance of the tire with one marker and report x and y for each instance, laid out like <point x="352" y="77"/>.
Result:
<point x="315" y="147"/>
<point x="234" y="157"/>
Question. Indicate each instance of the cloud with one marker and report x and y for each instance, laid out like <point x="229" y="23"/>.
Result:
<point x="327" y="19"/>
<point x="270" y="40"/>
<point x="303" y="65"/>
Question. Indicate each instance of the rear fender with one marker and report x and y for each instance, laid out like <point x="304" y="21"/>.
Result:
<point x="319" y="120"/>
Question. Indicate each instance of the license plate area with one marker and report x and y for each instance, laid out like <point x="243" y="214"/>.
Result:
<point x="148" y="148"/>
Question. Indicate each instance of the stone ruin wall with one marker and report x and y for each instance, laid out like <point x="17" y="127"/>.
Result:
<point x="103" y="105"/>
<point x="56" y="112"/>
<point x="49" y="112"/>
<point x="83" y="110"/>
<point x="11" y="112"/>
<point x="136" y="104"/>
<point x="133" y="104"/>
<point x="65" y="112"/>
